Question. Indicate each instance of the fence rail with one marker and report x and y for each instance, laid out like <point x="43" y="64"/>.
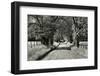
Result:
<point x="83" y="45"/>
<point x="34" y="43"/>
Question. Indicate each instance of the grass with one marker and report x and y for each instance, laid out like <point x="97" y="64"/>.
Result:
<point x="35" y="52"/>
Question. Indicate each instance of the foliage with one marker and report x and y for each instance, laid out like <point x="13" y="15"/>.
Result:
<point x="57" y="27"/>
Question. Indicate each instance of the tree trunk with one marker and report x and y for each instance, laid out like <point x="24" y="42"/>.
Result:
<point x="50" y="41"/>
<point x="74" y="38"/>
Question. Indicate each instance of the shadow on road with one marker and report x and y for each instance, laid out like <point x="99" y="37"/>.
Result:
<point x="44" y="55"/>
<point x="52" y="49"/>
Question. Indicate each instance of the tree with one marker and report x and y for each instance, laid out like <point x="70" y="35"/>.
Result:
<point x="45" y="28"/>
<point x="79" y="28"/>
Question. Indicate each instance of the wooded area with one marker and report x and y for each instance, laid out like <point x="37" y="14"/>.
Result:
<point x="50" y="29"/>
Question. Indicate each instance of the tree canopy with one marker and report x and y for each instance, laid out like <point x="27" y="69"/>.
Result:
<point x="58" y="27"/>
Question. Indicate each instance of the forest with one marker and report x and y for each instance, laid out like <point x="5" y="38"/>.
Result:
<point x="50" y="29"/>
